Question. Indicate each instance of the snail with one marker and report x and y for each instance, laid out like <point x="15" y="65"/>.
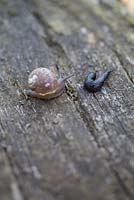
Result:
<point x="93" y="84"/>
<point x="43" y="84"/>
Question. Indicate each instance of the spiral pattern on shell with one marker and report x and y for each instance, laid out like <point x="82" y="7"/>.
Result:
<point x="42" y="80"/>
<point x="43" y="83"/>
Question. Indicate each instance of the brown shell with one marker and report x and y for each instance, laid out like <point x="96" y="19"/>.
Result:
<point x="42" y="80"/>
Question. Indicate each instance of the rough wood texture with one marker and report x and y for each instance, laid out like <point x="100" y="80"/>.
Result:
<point x="78" y="146"/>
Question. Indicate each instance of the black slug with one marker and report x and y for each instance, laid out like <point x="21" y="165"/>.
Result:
<point x="93" y="84"/>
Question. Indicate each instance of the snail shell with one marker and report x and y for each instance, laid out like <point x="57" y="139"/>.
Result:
<point x="43" y="83"/>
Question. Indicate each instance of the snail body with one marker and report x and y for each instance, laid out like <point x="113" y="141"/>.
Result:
<point x="43" y="84"/>
<point x="93" y="84"/>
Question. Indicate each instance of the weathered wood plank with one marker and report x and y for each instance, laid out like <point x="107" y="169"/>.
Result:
<point x="118" y="115"/>
<point x="67" y="148"/>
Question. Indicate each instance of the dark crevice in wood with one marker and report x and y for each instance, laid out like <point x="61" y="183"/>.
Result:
<point x="86" y="118"/>
<point x="123" y="186"/>
<point x="50" y="39"/>
<point x="122" y="64"/>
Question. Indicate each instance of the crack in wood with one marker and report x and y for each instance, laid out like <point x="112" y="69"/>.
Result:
<point x="120" y="181"/>
<point x="119" y="56"/>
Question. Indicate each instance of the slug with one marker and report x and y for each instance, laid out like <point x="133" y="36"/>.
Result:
<point x="43" y="84"/>
<point x="93" y="84"/>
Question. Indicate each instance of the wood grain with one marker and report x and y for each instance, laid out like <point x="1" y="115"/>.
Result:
<point x="80" y="145"/>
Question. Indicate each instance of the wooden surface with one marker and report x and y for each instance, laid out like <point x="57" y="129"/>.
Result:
<point x="78" y="146"/>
